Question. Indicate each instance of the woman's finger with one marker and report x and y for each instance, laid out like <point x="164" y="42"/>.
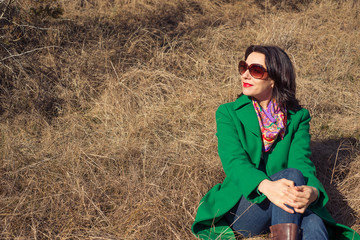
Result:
<point x="285" y="208"/>
<point x="287" y="182"/>
<point x="301" y="196"/>
<point x="300" y="210"/>
<point x="300" y="188"/>
<point x="296" y="205"/>
<point x="299" y="193"/>
<point x="293" y="194"/>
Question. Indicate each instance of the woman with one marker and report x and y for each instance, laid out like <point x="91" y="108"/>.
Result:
<point x="264" y="147"/>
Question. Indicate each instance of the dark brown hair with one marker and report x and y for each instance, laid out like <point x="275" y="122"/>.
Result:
<point x="281" y="70"/>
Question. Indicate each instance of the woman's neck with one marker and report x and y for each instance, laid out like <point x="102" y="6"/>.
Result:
<point x="264" y="104"/>
<point x="263" y="100"/>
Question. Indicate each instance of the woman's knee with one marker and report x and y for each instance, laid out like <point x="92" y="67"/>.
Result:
<point x="292" y="174"/>
<point x="313" y="226"/>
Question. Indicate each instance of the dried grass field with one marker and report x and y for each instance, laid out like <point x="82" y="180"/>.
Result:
<point x="107" y="108"/>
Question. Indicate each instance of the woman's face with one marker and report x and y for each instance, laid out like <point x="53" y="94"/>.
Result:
<point x="260" y="89"/>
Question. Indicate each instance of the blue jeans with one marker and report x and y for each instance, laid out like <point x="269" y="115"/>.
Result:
<point x="251" y="219"/>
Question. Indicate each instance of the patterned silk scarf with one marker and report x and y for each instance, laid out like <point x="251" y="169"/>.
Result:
<point x="272" y="122"/>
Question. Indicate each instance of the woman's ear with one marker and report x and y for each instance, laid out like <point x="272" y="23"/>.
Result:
<point x="272" y="83"/>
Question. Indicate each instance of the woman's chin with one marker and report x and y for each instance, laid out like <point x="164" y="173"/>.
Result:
<point x="247" y="93"/>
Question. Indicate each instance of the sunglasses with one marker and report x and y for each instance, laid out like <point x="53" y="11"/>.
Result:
<point x="255" y="70"/>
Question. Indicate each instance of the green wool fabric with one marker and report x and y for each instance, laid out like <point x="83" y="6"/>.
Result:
<point x="240" y="151"/>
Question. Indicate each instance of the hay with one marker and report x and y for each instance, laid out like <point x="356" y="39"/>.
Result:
<point x="107" y="111"/>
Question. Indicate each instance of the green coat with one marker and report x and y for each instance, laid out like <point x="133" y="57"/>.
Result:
<point x="240" y="149"/>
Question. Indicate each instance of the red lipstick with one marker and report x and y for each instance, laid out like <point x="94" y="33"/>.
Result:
<point x="247" y="85"/>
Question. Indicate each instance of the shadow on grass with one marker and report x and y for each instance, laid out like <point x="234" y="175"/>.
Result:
<point x="332" y="159"/>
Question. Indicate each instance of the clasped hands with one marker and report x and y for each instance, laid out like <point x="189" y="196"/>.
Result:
<point x="284" y="193"/>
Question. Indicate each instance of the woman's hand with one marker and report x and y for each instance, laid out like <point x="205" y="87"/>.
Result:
<point x="277" y="192"/>
<point x="284" y="191"/>
<point x="301" y="197"/>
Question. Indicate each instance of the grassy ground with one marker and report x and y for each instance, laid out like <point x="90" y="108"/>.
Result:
<point x="107" y="126"/>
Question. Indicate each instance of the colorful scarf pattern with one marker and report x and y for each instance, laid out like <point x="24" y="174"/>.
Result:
<point x="272" y="122"/>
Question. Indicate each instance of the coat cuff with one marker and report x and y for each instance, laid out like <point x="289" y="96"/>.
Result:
<point x="256" y="196"/>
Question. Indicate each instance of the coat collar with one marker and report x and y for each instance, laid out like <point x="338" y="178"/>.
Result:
<point x="246" y="113"/>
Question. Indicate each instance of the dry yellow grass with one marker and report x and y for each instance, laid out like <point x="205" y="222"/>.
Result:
<point x="107" y="113"/>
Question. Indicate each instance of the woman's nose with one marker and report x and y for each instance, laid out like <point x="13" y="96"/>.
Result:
<point x="246" y="74"/>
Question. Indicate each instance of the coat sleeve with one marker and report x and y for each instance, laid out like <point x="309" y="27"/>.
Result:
<point x="299" y="158"/>
<point x="239" y="170"/>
